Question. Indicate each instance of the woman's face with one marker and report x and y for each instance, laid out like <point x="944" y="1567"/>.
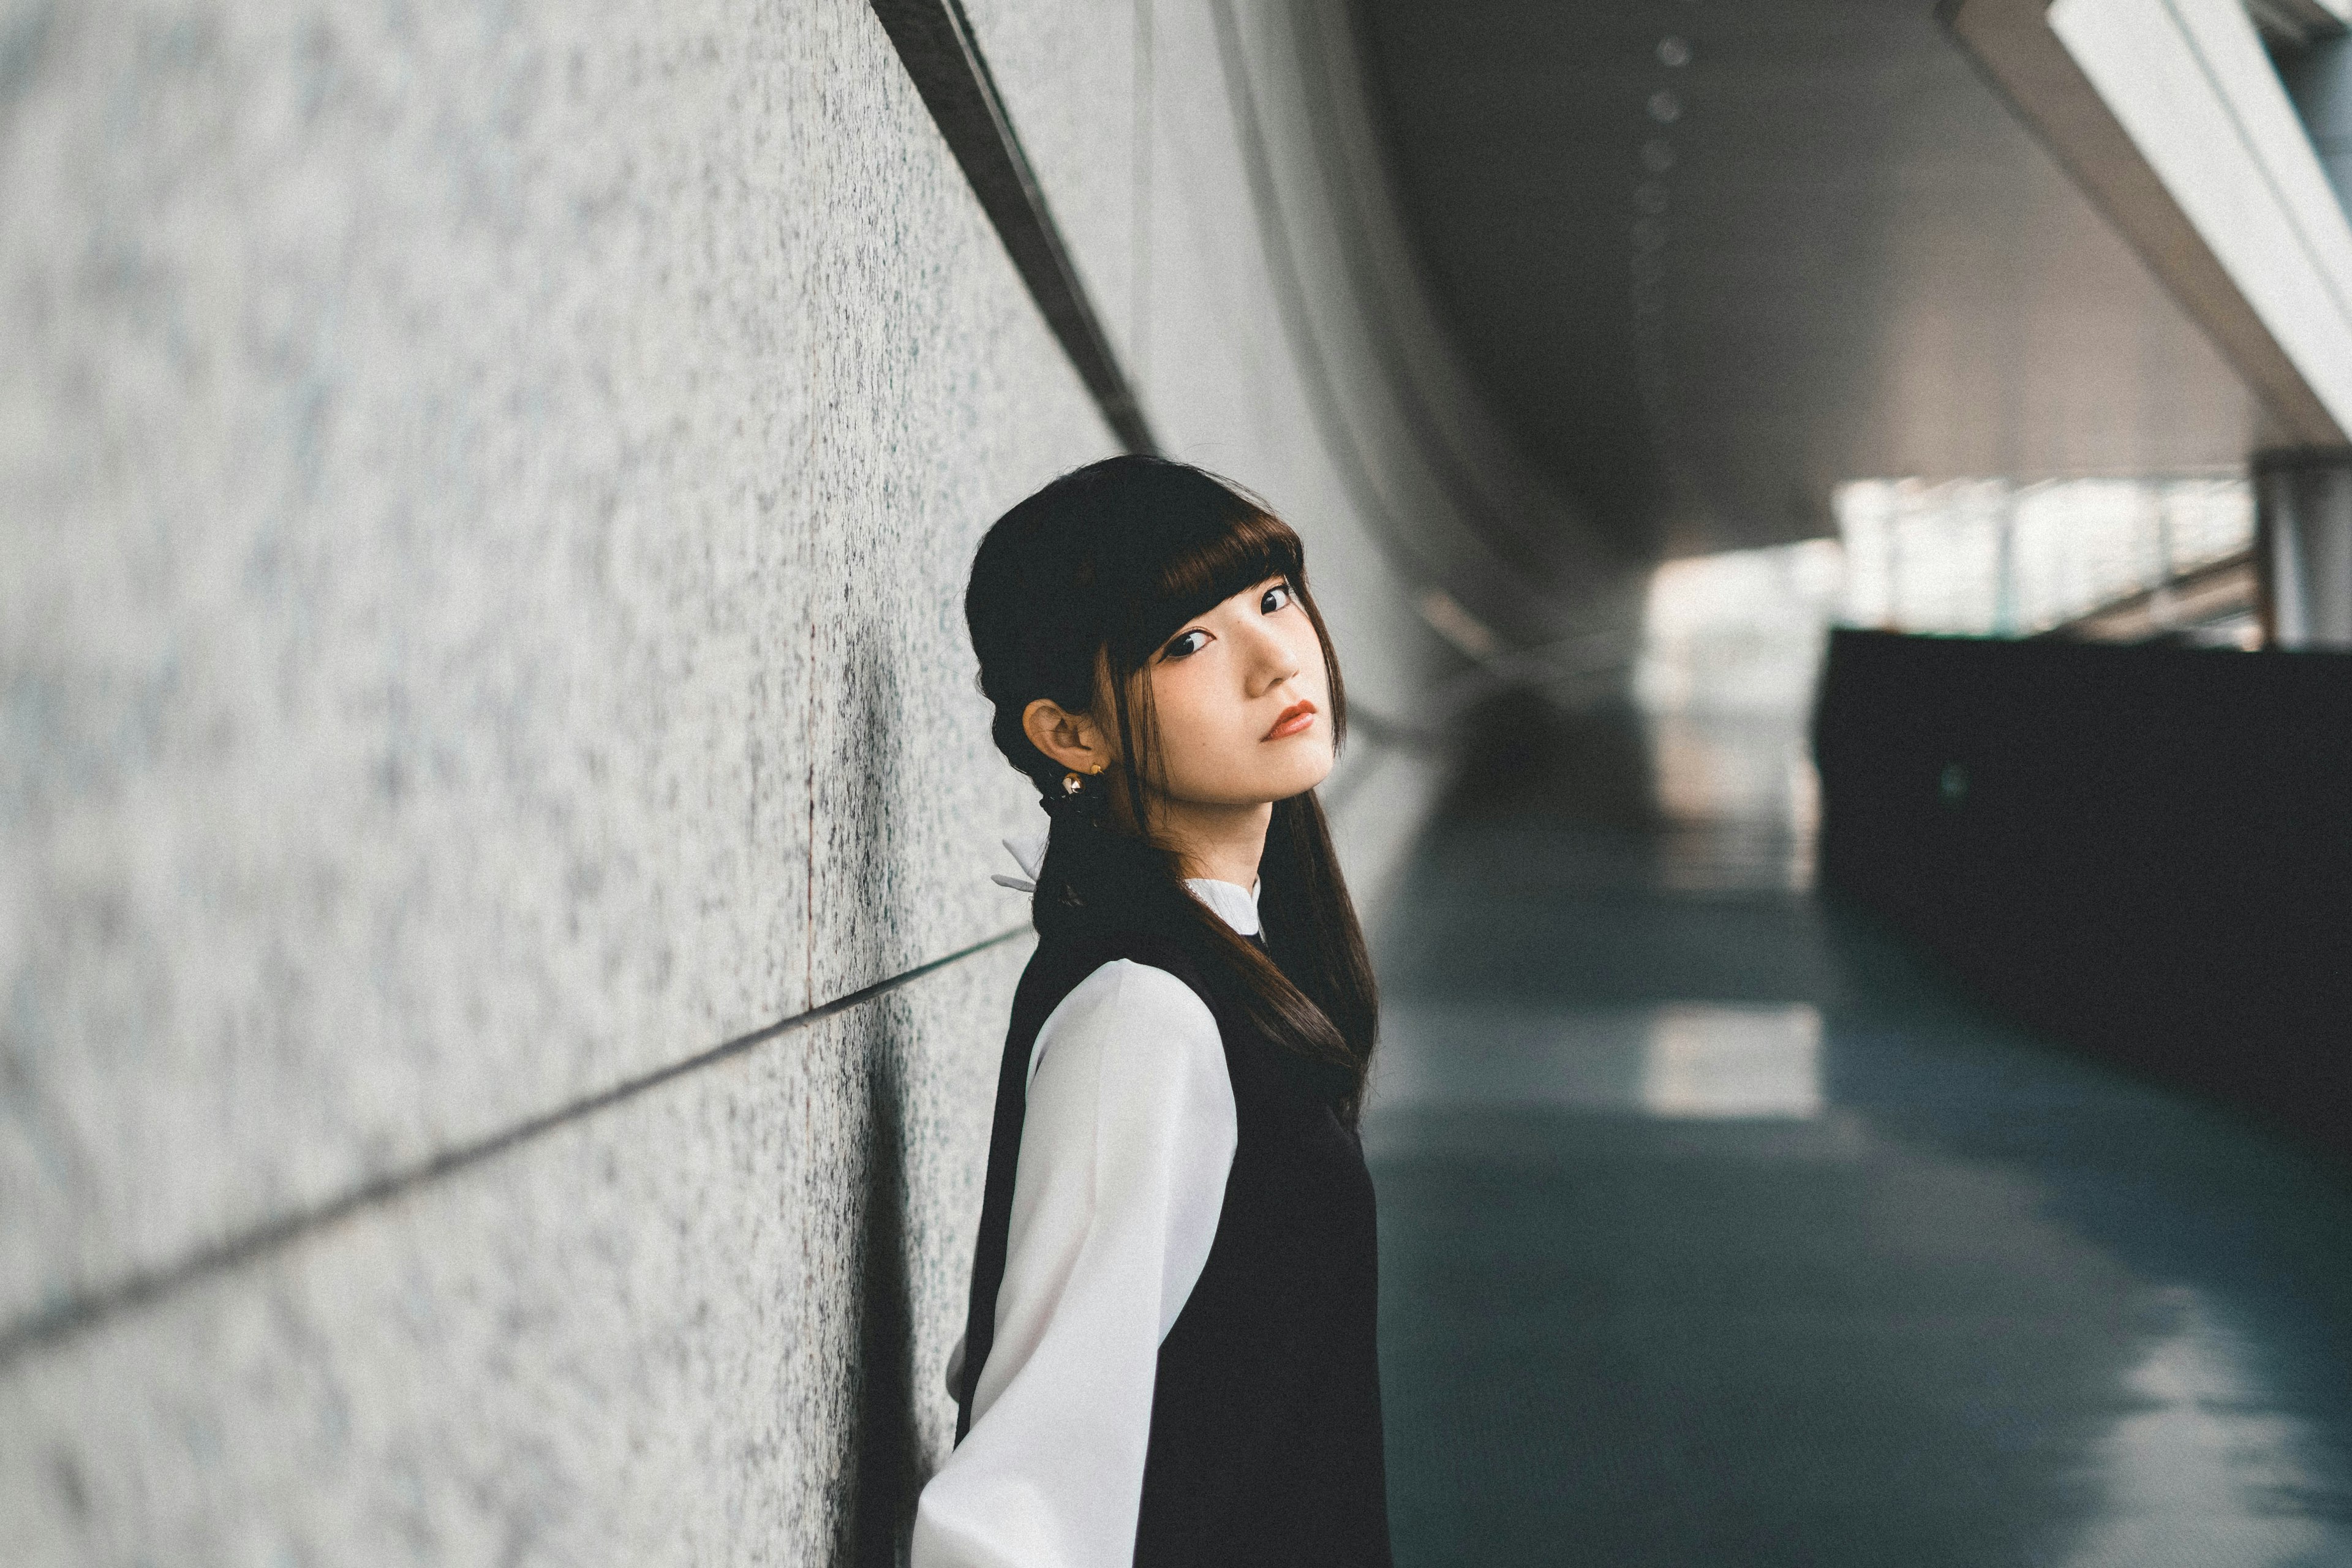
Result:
<point x="1240" y="703"/>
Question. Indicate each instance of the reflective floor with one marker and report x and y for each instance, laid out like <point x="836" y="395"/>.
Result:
<point x="1715" y="1230"/>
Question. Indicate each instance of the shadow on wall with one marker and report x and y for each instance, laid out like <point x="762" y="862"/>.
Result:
<point x="887" y="1467"/>
<point x="888" y="1470"/>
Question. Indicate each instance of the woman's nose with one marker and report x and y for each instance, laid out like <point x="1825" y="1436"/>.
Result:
<point x="1272" y="660"/>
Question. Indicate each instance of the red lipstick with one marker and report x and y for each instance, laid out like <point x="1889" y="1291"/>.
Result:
<point x="1295" y="719"/>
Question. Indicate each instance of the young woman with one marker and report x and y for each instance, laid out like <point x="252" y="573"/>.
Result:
<point x="1170" y="1353"/>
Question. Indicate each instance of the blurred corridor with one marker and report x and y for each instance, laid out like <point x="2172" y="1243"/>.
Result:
<point x="1718" y="1231"/>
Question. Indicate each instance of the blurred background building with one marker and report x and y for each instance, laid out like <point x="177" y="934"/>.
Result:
<point x="1838" y="520"/>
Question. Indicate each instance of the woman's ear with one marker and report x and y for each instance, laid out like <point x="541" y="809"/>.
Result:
<point x="1070" y="739"/>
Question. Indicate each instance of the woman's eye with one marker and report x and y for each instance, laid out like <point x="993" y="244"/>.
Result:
<point x="1186" y="643"/>
<point x="1276" y="598"/>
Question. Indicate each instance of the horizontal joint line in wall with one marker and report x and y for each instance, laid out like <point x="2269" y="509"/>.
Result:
<point x="77" y="1314"/>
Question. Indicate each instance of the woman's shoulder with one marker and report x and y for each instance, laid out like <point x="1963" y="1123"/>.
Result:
<point x="1142" y="984"/>
<point x="1087" y="967"/>
<point x="1135" y="1009"/>
<point x="1078" y="953"/>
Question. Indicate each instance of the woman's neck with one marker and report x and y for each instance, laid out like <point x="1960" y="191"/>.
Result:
<point x="1222" y="842"/>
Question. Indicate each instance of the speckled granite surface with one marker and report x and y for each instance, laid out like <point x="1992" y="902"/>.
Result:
<point x="465" y="487"/>
<point x="634" y="1341"/>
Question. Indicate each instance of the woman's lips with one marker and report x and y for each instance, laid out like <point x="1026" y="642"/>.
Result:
<point x="1295" y="719"/>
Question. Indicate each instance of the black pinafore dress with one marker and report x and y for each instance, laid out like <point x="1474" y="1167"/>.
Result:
<point x="1265" y="1413"/>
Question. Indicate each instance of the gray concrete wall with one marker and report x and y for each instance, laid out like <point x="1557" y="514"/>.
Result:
<point x="484" y="495"/>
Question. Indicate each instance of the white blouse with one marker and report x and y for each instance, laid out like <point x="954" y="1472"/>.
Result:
<point x="1126" y="1143"/>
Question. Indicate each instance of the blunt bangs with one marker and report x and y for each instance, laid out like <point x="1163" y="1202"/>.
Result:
<point x="1250" y="547"/>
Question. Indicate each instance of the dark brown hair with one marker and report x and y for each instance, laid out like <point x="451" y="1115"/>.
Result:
<point x="1071" y="593"/>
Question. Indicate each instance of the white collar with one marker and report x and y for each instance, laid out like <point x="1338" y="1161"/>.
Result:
<point x="1229" y="901"/>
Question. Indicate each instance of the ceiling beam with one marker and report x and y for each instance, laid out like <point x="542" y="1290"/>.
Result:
<point x="2151" y="110"/>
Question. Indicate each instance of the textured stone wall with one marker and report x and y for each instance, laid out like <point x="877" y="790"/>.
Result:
<point x="484" y="495"/>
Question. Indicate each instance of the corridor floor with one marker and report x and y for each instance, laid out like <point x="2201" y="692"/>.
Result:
<point x="1716" y="1230"/>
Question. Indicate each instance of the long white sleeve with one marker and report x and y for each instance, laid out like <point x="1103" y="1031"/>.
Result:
<point x="1126" y="1143"/>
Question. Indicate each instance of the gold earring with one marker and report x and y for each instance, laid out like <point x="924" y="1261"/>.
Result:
<point x="1072" y="783"/>
<point x="1096" y="769"/>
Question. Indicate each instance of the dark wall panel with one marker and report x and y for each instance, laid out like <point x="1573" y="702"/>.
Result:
<point x="2146" y="852"/>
